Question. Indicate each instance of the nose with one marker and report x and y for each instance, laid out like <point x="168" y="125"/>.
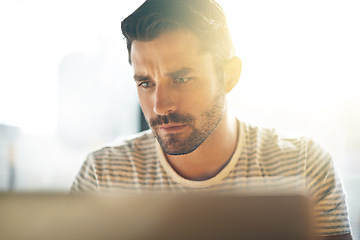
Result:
<point x="164" y="100"/>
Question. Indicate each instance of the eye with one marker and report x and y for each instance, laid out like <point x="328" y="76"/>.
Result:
<point x="146" y="84"/>
<point x="182" y="80"/>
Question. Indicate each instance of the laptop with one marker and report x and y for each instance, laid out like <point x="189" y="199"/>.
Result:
<point x="155" y="216"/>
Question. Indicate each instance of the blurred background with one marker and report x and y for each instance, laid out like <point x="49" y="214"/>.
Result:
<point x="66" y="88"/>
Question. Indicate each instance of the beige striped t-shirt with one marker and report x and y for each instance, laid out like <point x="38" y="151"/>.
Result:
<point x="263" y="161"/>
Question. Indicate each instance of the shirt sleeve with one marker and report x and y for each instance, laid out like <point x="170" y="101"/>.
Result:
<point x="86" y="181"/>
<point x="324" y="185"/>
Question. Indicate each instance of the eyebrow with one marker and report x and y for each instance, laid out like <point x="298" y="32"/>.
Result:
<point x="179" y="73"/>
<point x="140" y="78"/>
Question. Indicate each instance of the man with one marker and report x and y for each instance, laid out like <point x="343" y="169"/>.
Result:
<point x="184" y="64"/>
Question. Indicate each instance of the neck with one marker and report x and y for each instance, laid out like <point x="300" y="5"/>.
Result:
<point x="212" y="155"/>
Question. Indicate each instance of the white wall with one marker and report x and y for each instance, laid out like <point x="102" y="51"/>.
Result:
<point x="65" y="83"/>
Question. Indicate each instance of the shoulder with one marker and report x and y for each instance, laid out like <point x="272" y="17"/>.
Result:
<point x="270" y="139"/>
<point x="117" y="166"/>
<point x="277" y="153"/>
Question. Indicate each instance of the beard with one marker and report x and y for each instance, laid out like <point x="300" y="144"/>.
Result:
<point x="207" y="121"/>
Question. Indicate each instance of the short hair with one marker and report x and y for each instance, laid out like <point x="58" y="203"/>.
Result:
<point x="204" y="18"/>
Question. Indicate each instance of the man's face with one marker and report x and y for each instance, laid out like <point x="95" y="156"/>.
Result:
<point x="179" y="91"/>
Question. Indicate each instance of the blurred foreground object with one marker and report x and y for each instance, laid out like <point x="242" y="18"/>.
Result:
<point x="160" y="216"/>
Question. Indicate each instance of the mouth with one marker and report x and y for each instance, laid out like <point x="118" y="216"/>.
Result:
<point x="169" y="128"/>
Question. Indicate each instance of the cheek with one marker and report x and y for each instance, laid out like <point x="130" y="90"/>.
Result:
<point x="202" y="97"/>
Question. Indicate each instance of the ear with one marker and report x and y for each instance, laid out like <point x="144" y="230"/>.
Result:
<point x="232" y="71"/>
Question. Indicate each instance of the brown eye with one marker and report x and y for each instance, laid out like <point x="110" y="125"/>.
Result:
<point x="145" y="84"/>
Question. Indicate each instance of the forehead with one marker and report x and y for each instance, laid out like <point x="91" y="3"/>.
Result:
<point x="169" y="50"/>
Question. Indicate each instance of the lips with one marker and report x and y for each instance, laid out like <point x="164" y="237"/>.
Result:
<point x="172" y="127"/>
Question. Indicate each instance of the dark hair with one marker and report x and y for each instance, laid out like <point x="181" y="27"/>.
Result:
<point x="204" y="18"/>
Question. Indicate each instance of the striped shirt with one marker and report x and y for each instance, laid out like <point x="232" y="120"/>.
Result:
<point x="263" y="161"/>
